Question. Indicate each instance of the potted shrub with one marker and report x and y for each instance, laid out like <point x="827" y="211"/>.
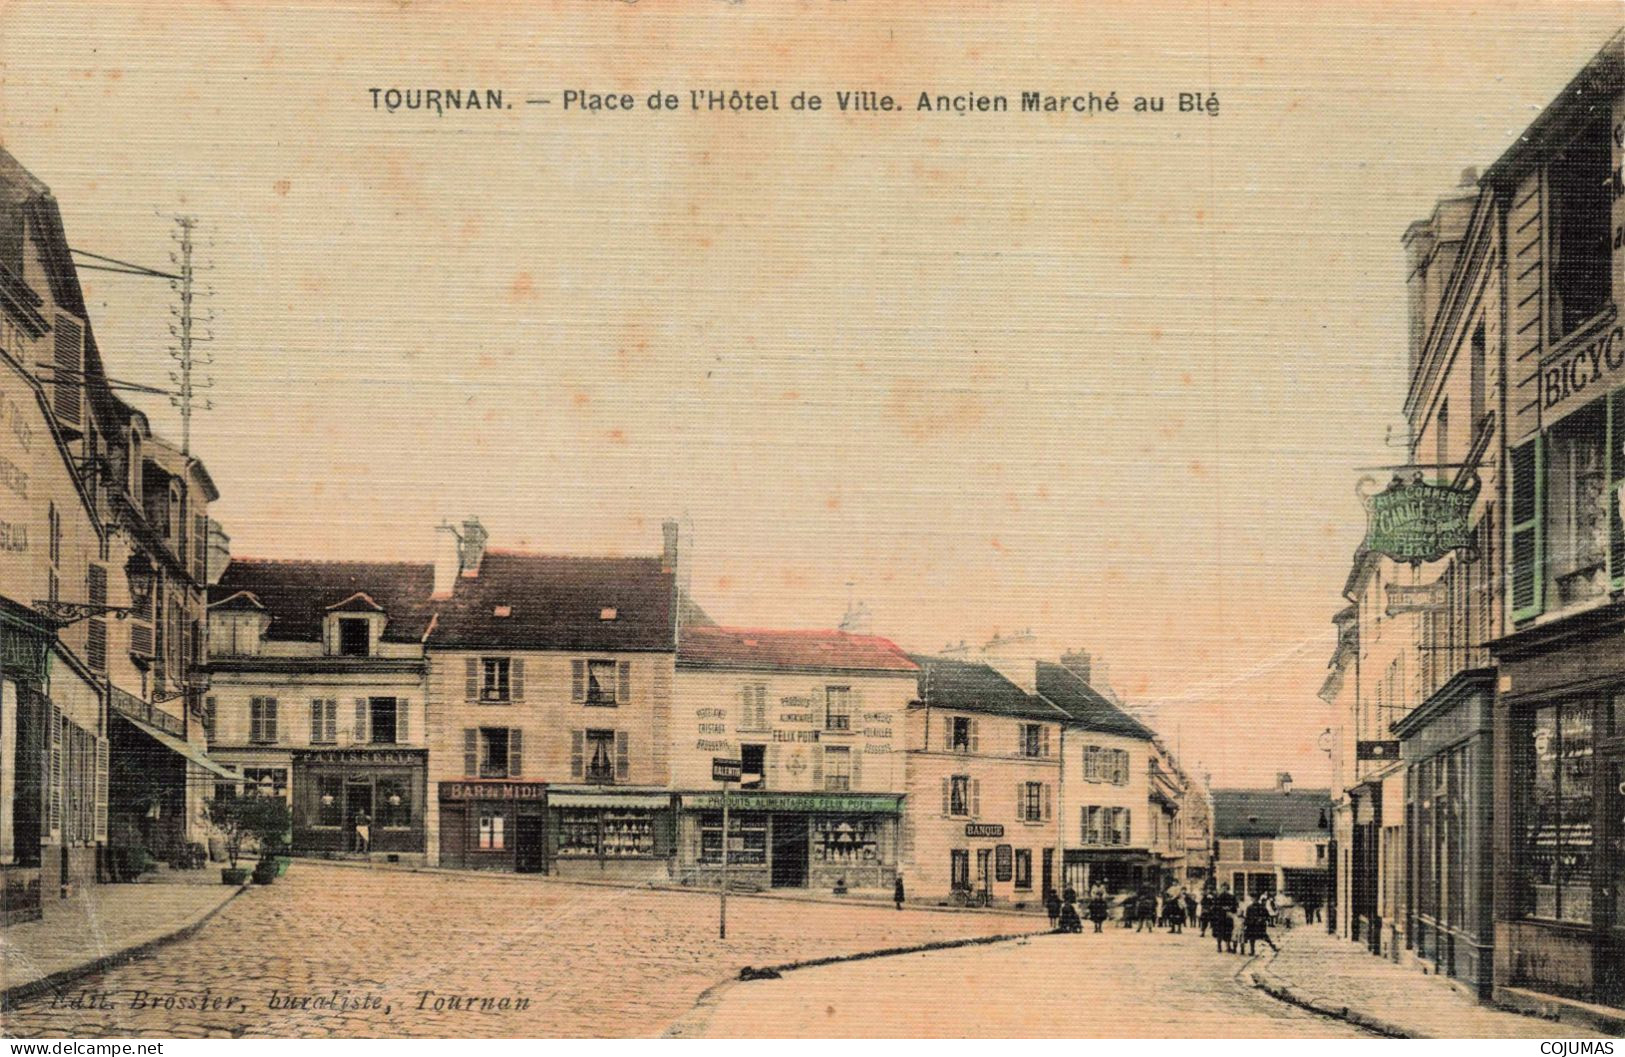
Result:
<point x="265" y="819"/>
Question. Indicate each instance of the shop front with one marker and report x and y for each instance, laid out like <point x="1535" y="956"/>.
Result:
<point x="1365" y="879"/>
<point x="359" y="802"/>
<point x="599" y="832"/>
<point x="1560" y="735"/>
<point x="493" y="824"/>
<point x="1447" y="749"/>
<point x="25" y="714"/>
<point x="1120" y="871"/>
<point x="791" y="840"/>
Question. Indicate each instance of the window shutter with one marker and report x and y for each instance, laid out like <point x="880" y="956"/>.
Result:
<point x="318" y="710"/>
<point x="820" y="703"/>
<point x="1526" y="550"/>
<point x="578" y="681"/>
<point x="761" y="706"/>
<point x="818" y="767"/>
<point x="1043" y="741"/>
<point x="101" y="790"/>
<point x="1128" y="837"/>
<point x="578" y="741"/>
<point x="1616" y="477"/>
<point x="69" y="365"/>
<point x="744" y="708"/>
<point x="360" y="733"/>
<point x="472" y="676"/>
<point x="516" y="752"/>
<point x="332" y="719"/>
<point x="623" y="693"/>
<point x="856" y="780"/>
<point x="471" y="751"/>
<point x="974" y="739"/>
<point x="516" y="679"/>
<point x="55" y="776"/>
<point x="623" y="761"/>
<point x="1049" y="804"/>
<point x="976" y="798"/>
<point x="947" y="797"/>
<point x="402" y="707"/>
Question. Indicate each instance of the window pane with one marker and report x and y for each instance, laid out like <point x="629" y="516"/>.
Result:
<point x="1541" y="824"/>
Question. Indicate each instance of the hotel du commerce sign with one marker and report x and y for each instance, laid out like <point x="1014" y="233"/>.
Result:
<point x="1417" y="521"/>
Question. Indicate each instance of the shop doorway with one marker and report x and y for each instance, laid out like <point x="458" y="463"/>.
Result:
<point x="528" y="843"/>
<point x="1609" y="955"/>
<point x="790" y="851"/>
<point x="358" y="800"/>
<point x="984" y="871"/>
<point x="1048" y="871"/>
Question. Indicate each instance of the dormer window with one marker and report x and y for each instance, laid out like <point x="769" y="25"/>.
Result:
<point x="355" y="637"/>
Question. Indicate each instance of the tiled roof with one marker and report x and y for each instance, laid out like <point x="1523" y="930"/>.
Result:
<point x="558" y="602"/>
<point x="973" y="686"/>
<point x="1270" y="812"/>
<point x="714" y="647"/>
<point x="1068" y="692"/>
<point x="298" y="594"/>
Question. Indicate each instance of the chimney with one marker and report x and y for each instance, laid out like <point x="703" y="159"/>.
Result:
<point x="1431" y="249"/>
<point x="668" y="551"/>
<point x="448" y="550"/>
<point x="1283" y="782"/>
<point x="1077" y="662"/>
<point x="471" y="548"/>
<point x="217" y="554"/>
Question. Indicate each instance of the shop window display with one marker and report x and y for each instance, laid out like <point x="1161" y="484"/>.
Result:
<point x="1557" y="828"/>
<point x="611" y="834"/>
<point x="747" y="845"/>
<point x="846" y="841"/>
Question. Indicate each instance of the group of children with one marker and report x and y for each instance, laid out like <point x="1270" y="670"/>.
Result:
<point x="1172" y="909"/>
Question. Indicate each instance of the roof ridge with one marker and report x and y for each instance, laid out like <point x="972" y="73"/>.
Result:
<point x="514" y="552"/>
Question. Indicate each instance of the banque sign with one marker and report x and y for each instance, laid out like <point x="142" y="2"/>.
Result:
<point x="1414" y="521"/>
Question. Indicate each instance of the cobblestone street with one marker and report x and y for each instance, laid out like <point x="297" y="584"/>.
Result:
<point x="1115" y="984"/>
<point x="571" y="960"/>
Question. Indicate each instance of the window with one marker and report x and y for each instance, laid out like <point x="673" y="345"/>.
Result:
<point x="494" y="679"/>
<point x="753" y="707"/>
<point x="494" y="752"/>
<point x="1251" y="849"/>
<point x="1032" y="803"/>
<point x="959" y="734"/>
<point x="209" y="712"/>
<point x="1578" y="201"/>
<point x="585" y="832"/>
<point x="959" y="795"/>
<point x="491" y="836"/>
<point x="329" y="800"/>
<point x="382" y="716"/>
<point x="1557" y="827"/>
<point x="1120" y="825"/>
<point x="355" y="636"/>
<point x="1092" y="833"/>
<point x="1091" y="763"/>
<point x="845" y="840"/>
<point x="601" y="683"/>
<point x="601" y="756"/>
<point x="324" y="721"/>
<point x="1034" y="740"/>
<point x="747" y="838"/>
<point x="837" y="708"/>
<point x="1577" y="507"/>
<point x="753" y="766"/>
<point x="394" y="796"/>
<point x="262" y="720"/>
<point x="254" y="778"/>
<point x="837" y="768"/>
<point x="1024" y="868"/>
<point x="959" y="869"/>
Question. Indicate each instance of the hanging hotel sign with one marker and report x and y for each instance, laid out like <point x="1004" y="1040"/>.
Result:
<point x="1376" y="750"/>
<point x="1415" y="598"/>
<point x="1415" y="521"/>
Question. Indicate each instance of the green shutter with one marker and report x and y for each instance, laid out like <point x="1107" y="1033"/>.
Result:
<point x="1526" y="544"/>
<point x="1615" y="432"/>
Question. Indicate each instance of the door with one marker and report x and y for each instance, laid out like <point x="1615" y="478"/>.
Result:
<point x="529" y="832"/>
<point x="358" y="802"/>
<point x="984" y="870"/>
<point x="453" y="835"/>
<point x="1048" y="875"/>
<point x="789" y="851"/>
<point x="959" y="869"/>
<point x="1609" y="954"/>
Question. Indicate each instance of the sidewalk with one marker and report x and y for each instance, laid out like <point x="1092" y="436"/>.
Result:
<point x="100" y="926"/>
<point x="1344" y="980"/>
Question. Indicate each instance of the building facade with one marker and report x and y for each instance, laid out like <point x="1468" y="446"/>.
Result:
<point x="317" y="695"/>
<point x="984" y="787"/>
<point x="1273" y="840"/>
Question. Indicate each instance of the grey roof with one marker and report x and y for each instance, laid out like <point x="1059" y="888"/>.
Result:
<point x="1084" y="705"/>
<point x="973" y="686"/>
<point x="1270" y="812"/>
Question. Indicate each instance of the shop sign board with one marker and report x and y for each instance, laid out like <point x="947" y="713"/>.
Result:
<point x="992" y="830"/>
<point x="492" y="790"/>
<point x="725" y="770"/>
<point x="1003" y="863"/>
<point x="1416" y="521"/>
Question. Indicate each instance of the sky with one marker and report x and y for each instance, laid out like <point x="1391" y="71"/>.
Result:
<point x="1109" y="377"/>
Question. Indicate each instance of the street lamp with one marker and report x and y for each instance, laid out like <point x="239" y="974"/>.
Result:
<point x="139" y="574"/>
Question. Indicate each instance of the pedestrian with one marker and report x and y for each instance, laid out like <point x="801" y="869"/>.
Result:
<point x="1311" y="906"/>
<point x="1146" y="911"/>
<point x="1224" y="919"/>
<point x="1190" y="908"/>
<point x="1255" y="926"/>
<point x="897" y="892"/>
<point x="1097" y="908"/>
<point x="1052" y="906"/>
<point x="1204" y="915"/>
<point x="1070" y="922"/>
<point x="363" y="831"/>
<point x="1174" y="911"/>
<point x="1270" y="908"/>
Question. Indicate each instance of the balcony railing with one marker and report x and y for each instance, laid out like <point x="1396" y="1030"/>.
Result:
<point x="132" y="706"/>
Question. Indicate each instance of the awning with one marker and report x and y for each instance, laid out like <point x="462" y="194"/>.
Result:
<point x="611" y="800"/>
<point x="813" y="803"/>
<point x="186" y="749"/>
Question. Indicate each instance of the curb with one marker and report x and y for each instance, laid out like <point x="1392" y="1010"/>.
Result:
<point x="1273" y="986"/>
<point x="54" y="981"/>
<point x="693" y="1023"/>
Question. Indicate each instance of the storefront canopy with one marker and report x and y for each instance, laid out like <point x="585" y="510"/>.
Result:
<point x="183" y="748"/>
